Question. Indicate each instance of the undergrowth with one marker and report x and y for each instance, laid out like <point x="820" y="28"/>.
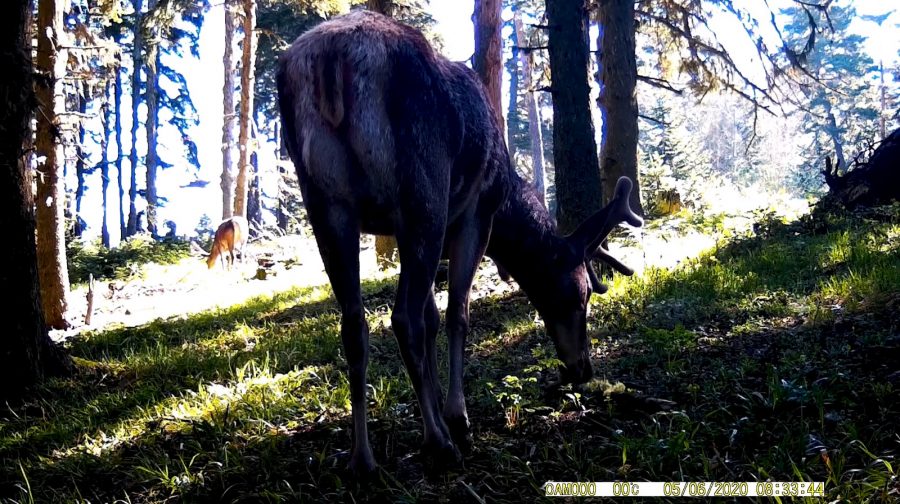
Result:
<point x="123" y="261"/>
<point x="773" y="357"/>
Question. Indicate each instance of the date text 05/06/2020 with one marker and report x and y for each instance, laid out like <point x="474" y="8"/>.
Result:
<point x="684" y="489"/>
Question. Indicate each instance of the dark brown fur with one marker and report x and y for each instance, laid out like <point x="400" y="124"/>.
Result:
<point x="390" y="138"/>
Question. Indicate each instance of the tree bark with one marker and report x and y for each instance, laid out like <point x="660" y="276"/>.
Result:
<point x="487" y="60"/>
<point x="120" y="152"/>
<point x="617" y="77"/>
<point x="578" y="185"/>
<point x="26" y="352"/>
<point x="152" y="127"/>
<point x="254" y="194"/>
<point x="228" y="115"/>
<point x="248" y="64"/>
<point x="835" y="135"/>
<point x="51" y="247"/>
<point x="513" y="109"/>
<point x="106" y="117"/>
<point x="534" y="115"/>
<point x="80" y="168"/>
<point x="137" y="64"/>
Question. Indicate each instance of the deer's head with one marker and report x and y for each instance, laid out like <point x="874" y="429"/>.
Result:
<point x="569" y="279"/>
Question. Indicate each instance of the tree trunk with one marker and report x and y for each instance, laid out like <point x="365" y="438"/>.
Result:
<point x="385" y="7"/>
<point x="487" y="60"/>
<point x="137" y="64"/>
<point x="281" y="217"/>
<point x="120" y="152"/>
<point x="80" y="170"/>
<point x="534" y="115"/>
<point x="254" y="196"/>
<point x="26" y="352"/>
<point x="513" y="109"/>
<point x="882" y="113"/>
<point x="106" y="117"/>
<point x="228" y="116"/>
<point x="578" y="189"/>
<point x="51" y="247"/>
<point x="835" y="135"/>
<point x="617" y="77"/>
<point x="152" y="127"/>
<point x="248" y="64"/>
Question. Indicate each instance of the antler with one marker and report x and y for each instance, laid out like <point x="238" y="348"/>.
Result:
<point x="592" y="232"/>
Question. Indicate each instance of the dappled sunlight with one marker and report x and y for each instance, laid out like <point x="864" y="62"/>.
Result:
<point x="710" y="358"/>
<point x="188" y="287"/>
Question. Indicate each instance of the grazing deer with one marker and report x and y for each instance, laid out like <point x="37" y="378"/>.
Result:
<point x="390" y="138"/>
<point x="230" y="236"/>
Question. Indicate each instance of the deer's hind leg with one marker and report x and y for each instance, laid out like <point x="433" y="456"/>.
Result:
<point x="336" y="227"/>
<point x="420" y="232"/>
<point x="337" y="235"/>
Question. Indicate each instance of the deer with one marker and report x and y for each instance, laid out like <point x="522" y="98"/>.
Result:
<point x="231" y="235"/>
<point x="390" y="138"/>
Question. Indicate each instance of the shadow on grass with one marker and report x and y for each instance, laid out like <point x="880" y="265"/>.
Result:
<point x="250" y="403"/>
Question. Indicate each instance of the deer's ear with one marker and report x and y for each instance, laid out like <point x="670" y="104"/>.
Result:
<point x="567" y="257"/>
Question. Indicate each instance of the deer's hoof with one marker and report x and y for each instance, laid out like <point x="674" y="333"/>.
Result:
<point x="460" y="433"/>
<point x="362" y="466"/>
<point x="441" y="458"/>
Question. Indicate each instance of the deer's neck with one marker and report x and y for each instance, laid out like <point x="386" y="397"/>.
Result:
<point x="523" y="237"/>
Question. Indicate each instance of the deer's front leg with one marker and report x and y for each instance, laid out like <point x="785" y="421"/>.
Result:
<point x="466" y="246"/>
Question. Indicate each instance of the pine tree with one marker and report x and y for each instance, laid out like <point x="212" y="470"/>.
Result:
<point x="51" y="250"/>
<point x="838" y="94"/>
<point x="26" y="352"/>
<point x="578" y="185"/>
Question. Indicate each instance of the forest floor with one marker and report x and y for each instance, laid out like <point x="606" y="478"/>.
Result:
<point x="773" y="355"/>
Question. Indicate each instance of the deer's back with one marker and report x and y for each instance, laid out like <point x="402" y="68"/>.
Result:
<point x="360" y="91"/>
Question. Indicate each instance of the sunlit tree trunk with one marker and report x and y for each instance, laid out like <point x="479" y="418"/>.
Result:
<point x="248" y="64"/>
<point x="120" y="151"/>
<point x="488" y="58"/>
<point x="254" y="194"/>
<point x="80" y="168"/>
<point x="228" y="115"/>
<point x="281" y="216"/>
<point x="512" y="109"/>
<point x="106" y="117"/>
<point x="617" y="77"/>
<point x="136" y="66"/>
<point x="51" y="247"/>
<point x="578" y="189"/>
<point x="834" y="133"/>
<point x="534" y="114"/>
<point x="26" y="352"/>
<point x="152" y="128"/>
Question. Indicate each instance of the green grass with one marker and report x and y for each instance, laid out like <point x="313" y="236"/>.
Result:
<point x="774" y="357"/>
<point x="123" y="261"/>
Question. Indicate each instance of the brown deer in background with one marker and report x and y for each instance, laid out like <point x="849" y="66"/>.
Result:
<point x="390" y="138"/>
<point x="230" y="236"/>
